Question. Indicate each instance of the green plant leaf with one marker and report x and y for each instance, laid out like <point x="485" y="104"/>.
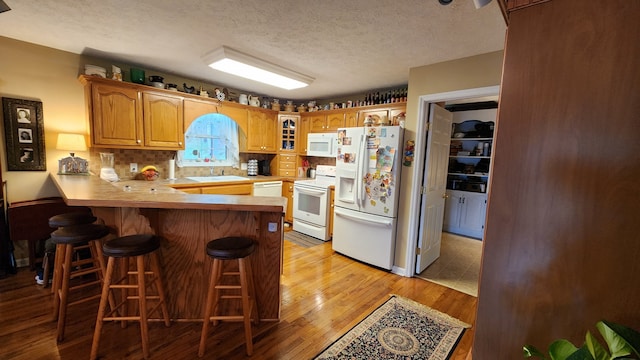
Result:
<point x="630" y="336"/>
<point x="595" y="348"/>
<point x="530" y="351"/>
<point x="561" y="349"/>
<point x="617" y="344"/>
<point x="581" y="354"/>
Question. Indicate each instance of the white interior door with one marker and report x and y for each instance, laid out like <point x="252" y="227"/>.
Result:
<point x="434" y="185"/>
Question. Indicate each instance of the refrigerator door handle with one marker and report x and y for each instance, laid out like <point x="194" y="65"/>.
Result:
<point x="338" y="212"/>
<point x="361" y="169"/>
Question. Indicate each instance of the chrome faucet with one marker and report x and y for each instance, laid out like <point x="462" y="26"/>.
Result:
<point x="212" y="171"/>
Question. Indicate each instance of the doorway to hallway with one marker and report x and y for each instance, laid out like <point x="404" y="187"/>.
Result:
<point x="458" y="266"/>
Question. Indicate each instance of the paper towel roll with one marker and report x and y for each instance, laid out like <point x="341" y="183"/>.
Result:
<point x="172" y="169"/>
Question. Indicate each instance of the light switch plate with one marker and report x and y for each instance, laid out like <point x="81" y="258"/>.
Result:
<point x="244" y="166"/>
<point x="133" y="167"/>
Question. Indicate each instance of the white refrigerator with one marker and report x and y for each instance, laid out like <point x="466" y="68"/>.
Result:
<point x="368" y="168"/>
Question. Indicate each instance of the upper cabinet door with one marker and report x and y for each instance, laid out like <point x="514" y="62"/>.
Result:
<point x="163" y="121"/>
<point x="117" y="114"/>
<point x="334" y="121"/>
<point x="261" y="135"/>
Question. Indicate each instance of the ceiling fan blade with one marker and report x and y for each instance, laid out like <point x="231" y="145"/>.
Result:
<point x="4" y="7"/>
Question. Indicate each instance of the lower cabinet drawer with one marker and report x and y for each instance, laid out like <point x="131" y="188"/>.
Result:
<point x="287" y="172"/>
<point x="287" y="165"/>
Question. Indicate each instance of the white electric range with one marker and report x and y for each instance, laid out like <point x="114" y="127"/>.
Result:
<point x="311" y="203"/>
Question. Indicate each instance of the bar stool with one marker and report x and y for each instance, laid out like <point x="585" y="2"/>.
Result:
<point x="59" y="221"/>
<point x="68" y="241"/>
<point x="221" y="250"/>
<point x="125" y="248"/>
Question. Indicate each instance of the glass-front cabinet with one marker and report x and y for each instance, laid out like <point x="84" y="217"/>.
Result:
<point x="288" y="125"/>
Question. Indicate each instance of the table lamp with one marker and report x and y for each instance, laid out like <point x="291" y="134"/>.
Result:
<point x="72" y="164"/>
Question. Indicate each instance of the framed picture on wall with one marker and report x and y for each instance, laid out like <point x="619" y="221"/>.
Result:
<point x="24" y="134"/>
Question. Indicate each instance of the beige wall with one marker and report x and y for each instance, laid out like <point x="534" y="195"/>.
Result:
<point x="461" y="74"/>
<point x="42" y="74"/>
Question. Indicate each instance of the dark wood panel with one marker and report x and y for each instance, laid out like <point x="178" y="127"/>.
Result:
<point x="561" y="246"/>
<point x="29" y="220"/>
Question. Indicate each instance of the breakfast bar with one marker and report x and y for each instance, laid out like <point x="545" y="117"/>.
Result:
<point x="186" y="222"/>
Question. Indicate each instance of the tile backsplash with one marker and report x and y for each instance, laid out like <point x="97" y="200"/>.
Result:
<point x="160" y="159"/>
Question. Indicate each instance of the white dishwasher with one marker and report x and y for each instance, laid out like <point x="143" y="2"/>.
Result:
<point x="267" y="188"/>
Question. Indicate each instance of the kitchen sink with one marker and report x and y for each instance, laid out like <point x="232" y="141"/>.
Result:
<point x="219" y="178"/>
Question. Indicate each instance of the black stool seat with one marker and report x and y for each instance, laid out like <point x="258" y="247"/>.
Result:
<point x="230" y="248"/>
<point x="79" y="233"/>
<point x="70" y="219"/>
<point x="132" y="245"/>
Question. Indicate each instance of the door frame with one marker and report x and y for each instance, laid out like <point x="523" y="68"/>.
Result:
<point x="420" y="153"/>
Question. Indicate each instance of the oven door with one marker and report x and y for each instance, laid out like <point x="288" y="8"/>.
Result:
<point x="310" y="204"/>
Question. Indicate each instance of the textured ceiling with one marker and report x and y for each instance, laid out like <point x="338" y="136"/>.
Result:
<point x="348" y="46"/>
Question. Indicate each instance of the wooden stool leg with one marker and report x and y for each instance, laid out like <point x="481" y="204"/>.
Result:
<point x="155" y="266"/>
<point x="216" y="293"/>
<point x="98" y="259"/>
<point x="46" y="268"/>
<point x="106" y="292"/>
<point x="124" y="292"/>
<point x="211" y="295"/>
<point x="63" y="293"/>
<point x="142" y="305"/>
<point x="246" y="309"/>
<point x="58" y="258"/>
<point x="252" y="292"/>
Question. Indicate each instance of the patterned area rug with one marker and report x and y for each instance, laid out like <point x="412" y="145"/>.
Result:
<point x="302" y="239"/>
<point x="399" y="329"/>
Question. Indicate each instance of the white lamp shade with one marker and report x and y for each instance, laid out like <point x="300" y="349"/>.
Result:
<point x="71" y="142"/>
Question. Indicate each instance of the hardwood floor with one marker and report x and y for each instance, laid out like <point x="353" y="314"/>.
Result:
<point x="323" y="295"/>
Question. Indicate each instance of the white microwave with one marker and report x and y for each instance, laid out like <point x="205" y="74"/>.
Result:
<point x="322" y="144"/>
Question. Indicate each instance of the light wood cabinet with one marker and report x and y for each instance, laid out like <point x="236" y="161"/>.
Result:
<point x="287" y="191"/>
<point x="326" y="122"/>
<point x="303" y="131"/>
<point x="335" y="120"/>
<point x="287" y="165"/>
<point x="163" y="117"/>
<point x="351" y="119"/>
<point x="195" y="190"/>
<point x="261" y="136"/>
<point x="236" y="189"/>
<point x="385" y="113"/>
<point x="288" y="132"/>
<point x="116" y="115"/>
<point x="124" y="115"/>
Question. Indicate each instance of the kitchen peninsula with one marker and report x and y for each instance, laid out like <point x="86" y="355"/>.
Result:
<point x="186" y="222"/>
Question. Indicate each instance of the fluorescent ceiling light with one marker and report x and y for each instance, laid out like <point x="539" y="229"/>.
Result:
<point x="246" y="66"/>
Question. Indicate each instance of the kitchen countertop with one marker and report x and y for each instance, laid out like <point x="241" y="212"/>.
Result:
<point x="186" y="223"/>
<point x="78" y="190"/>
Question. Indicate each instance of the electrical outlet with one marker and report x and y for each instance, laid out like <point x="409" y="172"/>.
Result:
<point x="133" y="167"/>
